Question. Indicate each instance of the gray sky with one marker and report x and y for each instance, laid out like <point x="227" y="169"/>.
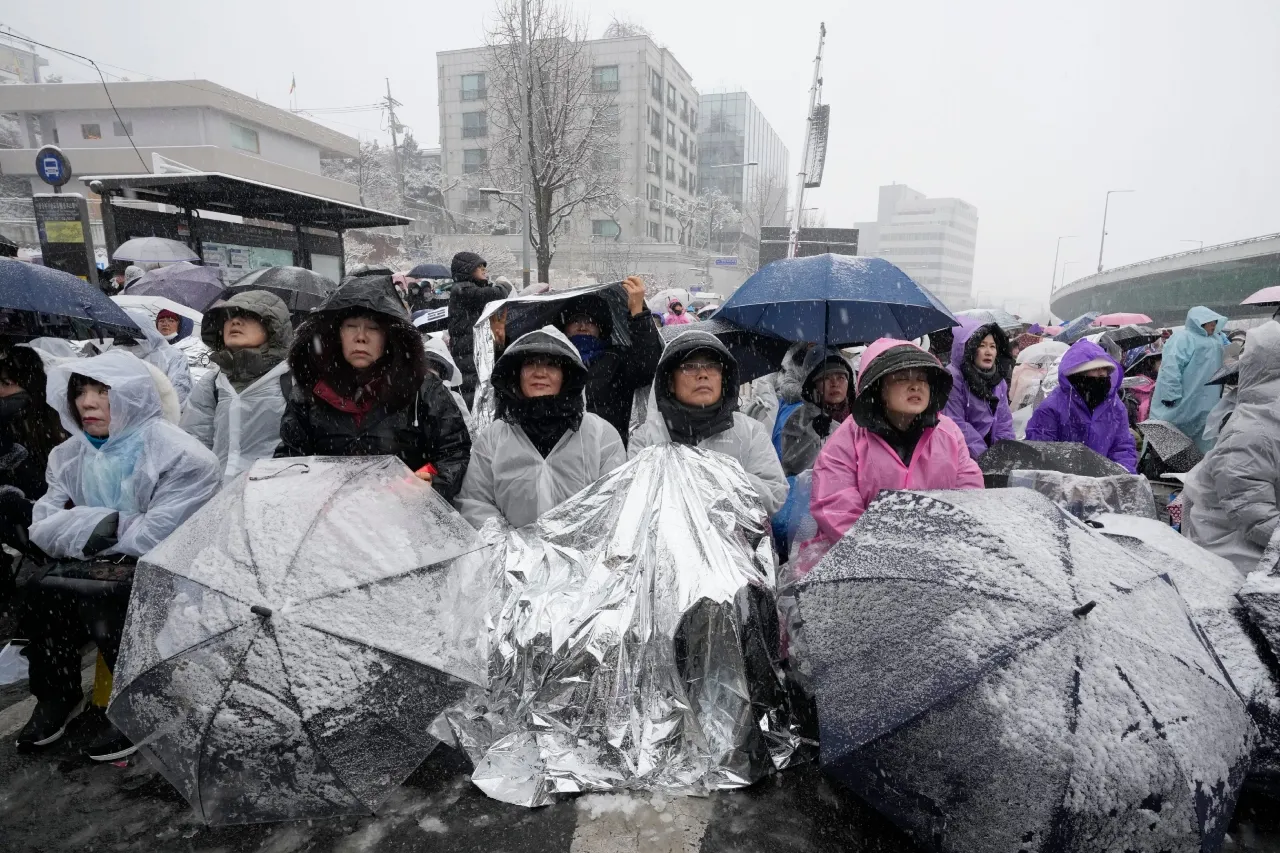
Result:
<point x="1028" y="109"/>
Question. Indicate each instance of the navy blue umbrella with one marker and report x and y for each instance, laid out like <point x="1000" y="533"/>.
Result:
<point x="430" y="271"/>
<point x="38" y="301"/>
<point x="835" y="300"/>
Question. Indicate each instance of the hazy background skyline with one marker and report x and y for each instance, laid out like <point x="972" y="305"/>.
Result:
<point x="1029" y="111"/>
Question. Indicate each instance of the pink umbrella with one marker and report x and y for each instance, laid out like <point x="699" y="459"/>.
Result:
<point x="1051" y="331"/>
<point x="1122" y="319"/>
<point x="1266" y="296"/>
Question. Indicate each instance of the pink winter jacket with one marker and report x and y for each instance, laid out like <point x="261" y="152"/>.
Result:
<point x="856" y="465"/>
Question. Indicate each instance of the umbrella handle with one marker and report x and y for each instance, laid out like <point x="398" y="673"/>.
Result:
<point x="264" y="612"/>
<point x="306" y="469"/>
<point x="1082" y="610"/>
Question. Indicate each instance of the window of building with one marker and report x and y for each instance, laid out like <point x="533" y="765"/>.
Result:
<point x="655" y="123"/>
<point x="473" y="88"/>
<point x="124" y="128"/>
<point x="653" y="230"/>
<point x="655" y="193"/>
<point x="670" y="196"/>
<point x="610" y="119"/>
<point x="684" y="109"/>
<point x="605" y="228"/>
<point x="91" y="131"/>
<point x="684" y="144"/>
<point x="474" y="160"/>
<point x="475" y="201"/>
<point x="655" y="84"/>
<point x="655" y="158"/>
<point x="474" y="125"/>
<point x="684" y="178"/>
<point x="671" y="168"/>
<point x="693" y="119"/>
<point x="669" y="235"/>
<point x="671" y="96"/>
<point x="244" y="138"/>
<point x="604" y="78"/>
<point x="671" y="133"/>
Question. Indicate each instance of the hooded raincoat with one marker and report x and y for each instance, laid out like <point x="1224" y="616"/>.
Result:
<point x="467" y="299"/>
<point x="154" y="349"/>
<point x="734" y="435"/>
<point x="858" y="463"/>
<point x="149" y="472"/>
<point x="983" y="420"/>
<point x="508" y="477"/>
<point x="1063" y="416"/>
<point x="1191" y="357"/>
<point x="438" y="353"/>
<point x="808" y="426"/>
<point x="408" y="414"/>
<point x="236" y="407"/>
<point x="1231" y="504"/>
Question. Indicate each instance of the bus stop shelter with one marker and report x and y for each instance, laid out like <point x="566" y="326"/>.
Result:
<point x="282" y="228"/>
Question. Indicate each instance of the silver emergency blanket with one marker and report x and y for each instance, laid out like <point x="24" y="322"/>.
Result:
<point x="635" y="641"/>
<point x="1086" y="497"/>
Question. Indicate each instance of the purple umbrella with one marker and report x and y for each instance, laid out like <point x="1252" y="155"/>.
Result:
<point x="185" y="283"/>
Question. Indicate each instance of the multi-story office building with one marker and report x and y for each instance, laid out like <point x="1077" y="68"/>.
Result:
<point x="931" y="239"/>
<point x="657" y="120"/>
<point x="732" y="132"/>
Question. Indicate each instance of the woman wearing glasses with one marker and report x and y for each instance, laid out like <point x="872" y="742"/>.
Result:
<point x="693" y="408"/>
<point x="895" y="438"/>
<point x="543" y="445"/>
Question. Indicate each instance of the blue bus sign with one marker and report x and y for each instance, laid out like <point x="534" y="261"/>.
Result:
<point x="52" y="166"/>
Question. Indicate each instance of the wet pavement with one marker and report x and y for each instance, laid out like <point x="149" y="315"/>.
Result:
<point x="56" y="800"/>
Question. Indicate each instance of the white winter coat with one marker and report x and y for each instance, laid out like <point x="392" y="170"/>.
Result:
<point x="746" y="441"/>
<point x="149" y="471"/>
<point x="1232" y="498"/>
<point x="240" y="427"/>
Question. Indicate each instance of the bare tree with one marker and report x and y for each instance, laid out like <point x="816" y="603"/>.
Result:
<point x="621" y="28"/>
<point x="549" y="105"/>
<point x="765" y="204"/>
<point x="702" y="216"/>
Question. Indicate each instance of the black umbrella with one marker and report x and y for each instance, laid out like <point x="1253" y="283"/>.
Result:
<point x="8" y="248"/>
<point x="1065" y="456"/>
<point x="605" y="301"/>
<point x="430" y="271"/>
<point x="38" y="301"/>
<point x="1132" y="337"/>
<point x="991" y="674"/>
<point x="757" y="354"/>
<point x="287" y="648"/>
<point x="301" y="289"/>
<point x="1174" y="451"/>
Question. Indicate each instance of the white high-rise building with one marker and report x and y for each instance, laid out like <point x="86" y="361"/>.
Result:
<point x="930" y="239"/>
<point x="657" y="122"/>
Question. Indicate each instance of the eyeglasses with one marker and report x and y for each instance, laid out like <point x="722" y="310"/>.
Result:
<point x="904" y="377"/>
<point x="693" y="368"/>
<point x="540" y="363"/>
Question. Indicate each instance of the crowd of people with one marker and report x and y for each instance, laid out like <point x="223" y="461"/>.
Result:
<point x="105" y="453"/>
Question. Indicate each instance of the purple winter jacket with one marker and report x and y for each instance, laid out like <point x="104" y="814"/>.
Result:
<point x="981" y="427"/>
<point x="1063" y="416"/>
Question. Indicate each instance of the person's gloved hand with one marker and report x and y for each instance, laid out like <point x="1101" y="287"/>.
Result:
<point x="104" y="535"/>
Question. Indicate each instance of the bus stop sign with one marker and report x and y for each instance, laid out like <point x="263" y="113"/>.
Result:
<point x="52" y="166"/>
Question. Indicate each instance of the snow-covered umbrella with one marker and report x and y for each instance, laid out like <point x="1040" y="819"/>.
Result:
<point x="153" y="250"/>
<point x="1043" y="354"/>
<point x="1011" y="324"/>
<point x="1132" y="336"/>
<point x="1069" y="457"/>
<point x="1174" y="449"/>
<point x="658" y="302"/>
<point x="993" y="675"/>
<point x="287" y="648"/>
<point x="192" y="285"/>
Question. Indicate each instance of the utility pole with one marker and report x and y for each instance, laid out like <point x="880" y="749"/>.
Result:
<point x="392" y="103"/>
<point x="526" y="119"/>
<point x="814" y="91"/>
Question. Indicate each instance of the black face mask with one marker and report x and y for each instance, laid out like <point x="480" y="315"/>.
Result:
<point x="13" y="406"/>
<point x="1094" y="389"/>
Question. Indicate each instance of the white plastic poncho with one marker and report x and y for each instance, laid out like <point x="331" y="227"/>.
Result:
<point x="240" y="427"/>
<point x="149" y="471"/>
<point x="438" y="350"/>
<point x="509" y="479"/>
<point x="154" y="349"/>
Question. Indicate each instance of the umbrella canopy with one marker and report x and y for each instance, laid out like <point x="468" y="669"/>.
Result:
<point x="1077" y="328"/>
<point x="1177" y="453"/>
<point x="529" y="313"/>
<point x="991" y="674"/>
<point x="301" y="289"/>
<point x="757" y="354"/>
<point x="1265" y="296"/>
<point x="1121" y="319"/>
<point x="1228" y="374"/>
<point x="288" y="646"/>
<point x="1044" y="353"/>
<point x="1052" y="330"/>
<point x="835" y="300"/>
<point x="658" y="302"/>
<point x="1003" y="319"/>
<point x="1067" y="457"/>
<point x="153" y="305"/>
<point x="186" y="283"/>
<point x="153" y="250"/>
<point x="38" y="301"/>
<point x="430" y="271"/>
<point x="1132" y="336"/>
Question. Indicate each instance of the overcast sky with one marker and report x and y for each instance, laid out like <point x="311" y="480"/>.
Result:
<point x="1030" y="110"/>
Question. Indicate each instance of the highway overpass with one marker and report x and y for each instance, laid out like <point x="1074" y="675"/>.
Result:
<point x="1216" y="276"/>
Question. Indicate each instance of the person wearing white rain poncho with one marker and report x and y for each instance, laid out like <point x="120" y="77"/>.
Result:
<point x="153" y="349"/>
<point x="543" y="447"/>
<point x="123" y="481"/>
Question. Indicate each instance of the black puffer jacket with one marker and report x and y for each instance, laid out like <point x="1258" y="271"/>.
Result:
<point x="615" y="374"/>
<point x="413" y="418"/>
<point x="467" y="299"/>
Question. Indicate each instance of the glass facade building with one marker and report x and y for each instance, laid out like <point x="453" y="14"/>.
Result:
<point x="733" y="131"/>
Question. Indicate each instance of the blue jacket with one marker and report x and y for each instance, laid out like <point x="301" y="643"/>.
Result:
<point x="1063" y="416"/>
<point x="1191" y="358"/>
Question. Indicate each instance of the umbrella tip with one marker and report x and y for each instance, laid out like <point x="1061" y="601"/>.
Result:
<point x="265" y="612"/>
<point x="1082" y="610"/>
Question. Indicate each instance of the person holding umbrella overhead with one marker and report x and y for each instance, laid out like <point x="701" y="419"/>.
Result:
<point x="1086" y="407"/>
<point x="695" y="389"/>
<point x="471" y="291"/>
<point x="981" y="363"/>
<point x="235" y="409"/>
<point x="1193" y="354"/>
<point x="362" y="387"/>
<point x="544" y="446"/>
<point x="896" y="438"/>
